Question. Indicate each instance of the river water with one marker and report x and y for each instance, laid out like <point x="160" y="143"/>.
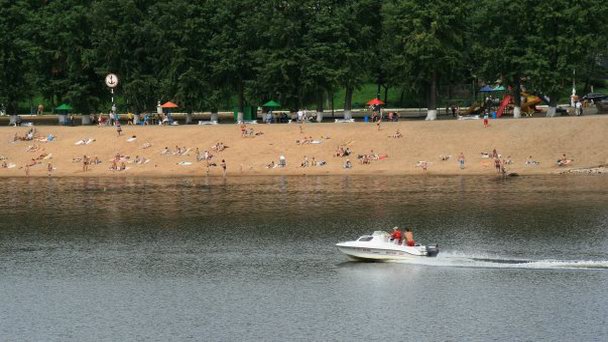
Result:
<point x="253" y="259"/>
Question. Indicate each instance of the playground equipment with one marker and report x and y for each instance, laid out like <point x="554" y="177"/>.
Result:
<point x="528" y="106"/>
<point x="503" y="104"/>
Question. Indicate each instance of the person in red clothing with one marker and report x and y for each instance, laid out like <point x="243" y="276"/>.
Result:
<point x="396" y="235"/>
<point x="409" y="237"/>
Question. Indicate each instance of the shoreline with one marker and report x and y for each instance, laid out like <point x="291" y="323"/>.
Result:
<point x="583" y="139"/>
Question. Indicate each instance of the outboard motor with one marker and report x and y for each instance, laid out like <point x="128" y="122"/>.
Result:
<point x="432" y="250"/>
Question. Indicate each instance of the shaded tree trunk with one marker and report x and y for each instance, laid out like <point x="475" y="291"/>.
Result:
<point x="332" y="105"/>
<point x="241" y="103"/>
<point x="320" y="99"/>
<point x="348" y="103"/>
<point x="214" y="115"/>
<point x="385" y="95"/>
<point x="552" y="109"/>
<point x="432" y="99"/>
<point x="517" y="98"/>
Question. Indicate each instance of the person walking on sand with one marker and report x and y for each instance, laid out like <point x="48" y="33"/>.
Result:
<point x="485" y="120"/>
<point x="223" y="165"/>
<point x="27" y="170"/>
<point x="49" y="168"/>
<point x="118" y="128"/>
<point x="461" y="160"/>
<point x="85" y="163"/>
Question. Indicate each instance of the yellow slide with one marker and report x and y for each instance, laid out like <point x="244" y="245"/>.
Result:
<point x="529" y="105"/>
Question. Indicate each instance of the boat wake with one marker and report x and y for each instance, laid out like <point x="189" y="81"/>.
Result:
<point x="473" y="261"/>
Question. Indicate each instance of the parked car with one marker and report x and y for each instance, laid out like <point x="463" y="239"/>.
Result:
<point x="594" y="96"/>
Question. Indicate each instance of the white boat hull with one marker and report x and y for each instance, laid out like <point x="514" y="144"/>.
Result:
<point x="378" y="247"/>
<point x="360" y="253"/>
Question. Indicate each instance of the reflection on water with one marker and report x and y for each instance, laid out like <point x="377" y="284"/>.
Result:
<point x="254" y="258"/>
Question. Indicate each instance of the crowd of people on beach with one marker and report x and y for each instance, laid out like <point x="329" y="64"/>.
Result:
<point x="209" y="155"/>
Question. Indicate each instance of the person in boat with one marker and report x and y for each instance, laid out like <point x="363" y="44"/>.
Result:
<point x="396" y="235"/>
<point x="409" y="237"/>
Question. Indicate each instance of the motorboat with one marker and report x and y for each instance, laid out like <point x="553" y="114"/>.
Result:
<point x="380" y="247"/>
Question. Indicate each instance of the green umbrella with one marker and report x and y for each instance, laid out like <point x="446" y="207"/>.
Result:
<point x="272" y="104"/>
<point x="64" y="107"/>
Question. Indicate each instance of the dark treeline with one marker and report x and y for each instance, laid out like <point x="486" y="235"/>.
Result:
<point x="203" y="53"/>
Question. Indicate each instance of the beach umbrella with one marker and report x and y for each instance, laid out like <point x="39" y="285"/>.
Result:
<point x="486" y="89"/>
<point x="375" y="102"/>
<point x="499" y="88"/>
<point x="271" y="104"/>
<point x="64" y="106"/>
<point x="169" y="104"/>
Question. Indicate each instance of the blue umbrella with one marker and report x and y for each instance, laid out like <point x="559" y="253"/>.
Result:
<point x="486" y="89"/>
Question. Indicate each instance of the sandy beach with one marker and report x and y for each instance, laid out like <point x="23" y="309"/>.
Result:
<point x="582" y="139"/>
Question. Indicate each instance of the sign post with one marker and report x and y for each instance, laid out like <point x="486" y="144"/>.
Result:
<point x="112" y="82"/>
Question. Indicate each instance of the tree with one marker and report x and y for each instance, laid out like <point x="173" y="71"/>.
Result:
<point x="500" y="47"/>
<point x="427" y="39"/>
<point x="361" y="22"/>
<point x="66" y="64"/>
<point x="17" y="52"/>
<point x="232" y="44"/>
<point x="559" y="42"/>
<point x="122" y="43"/>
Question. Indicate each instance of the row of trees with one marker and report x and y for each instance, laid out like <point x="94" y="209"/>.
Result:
<point x="203" y="53"/>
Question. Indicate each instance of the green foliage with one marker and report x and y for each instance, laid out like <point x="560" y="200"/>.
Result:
<point x="213" y="54"/>
<point x="17" y="52"/>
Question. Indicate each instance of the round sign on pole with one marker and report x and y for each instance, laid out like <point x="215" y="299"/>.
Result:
<point x="111" y="80"/>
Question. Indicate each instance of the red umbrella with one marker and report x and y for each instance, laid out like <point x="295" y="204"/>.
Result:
<point x="375" y="102"/>
<point x="169" y="104"/>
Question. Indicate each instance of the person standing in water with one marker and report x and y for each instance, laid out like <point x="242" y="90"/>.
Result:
<point x="461" y="160"/>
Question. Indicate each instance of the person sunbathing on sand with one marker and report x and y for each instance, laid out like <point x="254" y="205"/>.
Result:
<point x="43" y="156"/>
<point x="272" y="165"/>
<point x="32" y="148"/>
<point x="304" y="162"/>
<point x="348" y="164"/>
<point x="219" y="147"/>
<point x="397" y="134"/>
<point x="177" y="151"/>
<point x="32" y="162"/>
<point x="339" y="152"/>
<point x="563" y="161"/>
<point x="531" y="162"/>
<point x="165" y="150"/>
<point x="364" y="159"/>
